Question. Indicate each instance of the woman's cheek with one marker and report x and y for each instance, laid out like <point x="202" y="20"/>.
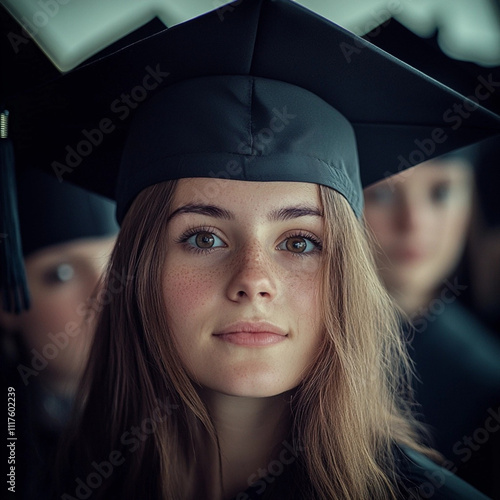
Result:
<point x="187" y="288"/>
<point x="299" y="289"/>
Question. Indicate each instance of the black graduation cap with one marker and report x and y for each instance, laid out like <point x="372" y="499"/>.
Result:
<point x="52" y="213"/>
<point x="45" y="211"/>
<point x="480" y="83"/>
<point x="400" y="117"/>
<point x="266" y="91"/>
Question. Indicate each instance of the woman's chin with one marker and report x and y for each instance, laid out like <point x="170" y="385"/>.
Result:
<point x="260" y="385"/>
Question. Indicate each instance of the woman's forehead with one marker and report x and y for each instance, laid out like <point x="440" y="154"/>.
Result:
<point x="244" y="196"/>
<point x="427" y="175"/>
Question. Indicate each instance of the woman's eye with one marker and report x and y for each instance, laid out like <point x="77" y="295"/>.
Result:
<point x="298" y="244"/>
<point x="204" y="239"/>
<point x="440" y="193"/>
<point x="380" y="195"/>
<point x="60" y="274"/>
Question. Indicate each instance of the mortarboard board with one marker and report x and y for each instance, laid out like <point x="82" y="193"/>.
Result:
<point x="395" y="111"/>
<point x="270" y="92"/>
<point x="470" y="79"/>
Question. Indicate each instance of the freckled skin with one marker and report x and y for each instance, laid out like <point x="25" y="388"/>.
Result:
<point x="247" y="278"/>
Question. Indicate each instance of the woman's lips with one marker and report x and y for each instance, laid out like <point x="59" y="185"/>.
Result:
<point x="408" y="255"/>
<point x="251" y="339"/>
<point x="251" y="334"/>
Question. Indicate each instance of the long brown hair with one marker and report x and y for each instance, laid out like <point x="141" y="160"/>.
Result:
<point x="348" y="412"/>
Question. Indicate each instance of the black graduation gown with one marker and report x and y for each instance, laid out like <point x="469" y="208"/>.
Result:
<point x="458" y="365"/>
<point x="419" y="478"/>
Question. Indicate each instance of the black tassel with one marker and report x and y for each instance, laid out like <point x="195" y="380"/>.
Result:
<point x="13" y="285"/>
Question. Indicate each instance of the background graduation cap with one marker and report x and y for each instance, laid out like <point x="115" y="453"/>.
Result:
<point x="48" y="211"/>
<point x="264" y="57"/>
<point x="478" y="82"/>
<point x="425" y="55"/>
<point x="51" y="213"/>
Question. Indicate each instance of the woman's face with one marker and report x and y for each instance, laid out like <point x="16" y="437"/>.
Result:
<point x="241" y="282"/>
<point x="61" y="278"/>
<point x="420" y="218"/>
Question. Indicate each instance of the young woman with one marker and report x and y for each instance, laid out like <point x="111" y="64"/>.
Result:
<point x="420" y="222"/>
<point x="253" y="353"/>
<point x="68" y="234"/>
<point x="241" y="338"/>
<point x="420" y="219"/>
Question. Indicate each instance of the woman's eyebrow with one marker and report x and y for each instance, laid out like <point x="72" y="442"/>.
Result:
<point x="279" y="214"/>
<point x="288" y="213"/>
<point x="210" y="210"/>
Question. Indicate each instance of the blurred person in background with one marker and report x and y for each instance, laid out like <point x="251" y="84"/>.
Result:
<point x="67" y="236"/>
<point x="420" y="219"/>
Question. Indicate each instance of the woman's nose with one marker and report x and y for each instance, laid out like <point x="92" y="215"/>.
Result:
<point x="254" y="276"/>
<point x="413" y="215"/>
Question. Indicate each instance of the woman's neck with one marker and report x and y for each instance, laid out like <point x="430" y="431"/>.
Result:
<point x="249" y="431"/>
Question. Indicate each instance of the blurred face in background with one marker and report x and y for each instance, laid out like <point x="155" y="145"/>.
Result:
<point x="61" y="278"/>
<point x="419" y="219"/>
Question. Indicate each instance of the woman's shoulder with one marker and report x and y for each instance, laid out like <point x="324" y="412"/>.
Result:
<point x="421" y="478"/>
